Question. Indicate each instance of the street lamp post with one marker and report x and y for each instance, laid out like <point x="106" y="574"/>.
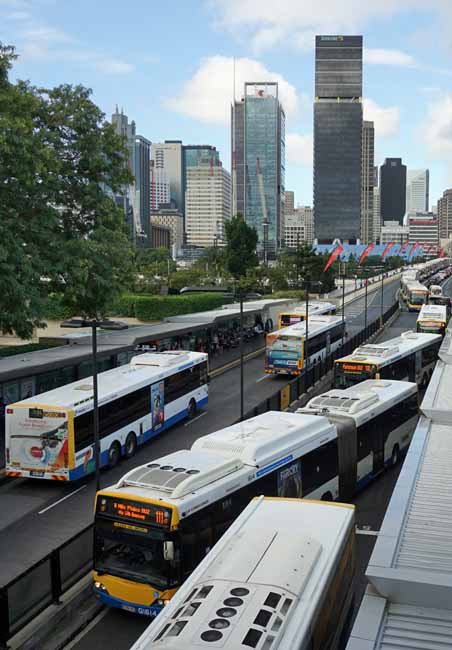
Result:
<point x="382" y="292"/>
<point x="242" y="391"/>
<point x="265" y="224"/>
<point x="342" y="275"/>
<point x="94" y="324"/>
<point x="365" y="303"/>
<point x="306" y="318"/>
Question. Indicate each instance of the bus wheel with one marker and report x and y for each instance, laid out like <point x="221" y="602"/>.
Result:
<point x="327" y="496"/>
<point x="131" y="445"/>
<point x="191" y="408"/>
<point x="114" y="454"/>
<point x="395" y="455"/>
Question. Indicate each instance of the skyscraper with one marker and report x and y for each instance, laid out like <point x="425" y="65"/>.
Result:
<point x="338" y="124"/>
<point x="136" y="197"/>
<point x="444" y="211"/>
<point x="258" y="139"/>
<point x="160" y="187"/>
<point x="168" y="156"/>
<point x="417" y="190"/>
<point x="367" y="189"/>
<point x="392" y="190"/>
<point x="376" y="222"/>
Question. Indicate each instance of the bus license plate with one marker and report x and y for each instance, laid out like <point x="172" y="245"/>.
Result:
<point x="37" y="474"/>
<point x="128" y="608"/>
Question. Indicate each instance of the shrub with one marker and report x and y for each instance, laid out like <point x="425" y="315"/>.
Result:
<point x="151" y="308"/>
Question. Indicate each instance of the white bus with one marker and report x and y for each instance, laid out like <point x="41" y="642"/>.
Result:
<point x="50" y="435"/>
<point x="411" y="356"/>
<point x="286" y="348"/>
<point x="157" y="523"/>
<point x="414" y="294"/>
<point x="432" y="319"/>
<point x="281" y="578"/>
<point x="297" y="314"/>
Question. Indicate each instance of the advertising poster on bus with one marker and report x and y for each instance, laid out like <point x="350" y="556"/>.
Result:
<point x="283" y="352"/>
<point x="158" y="405"/>
<point x="39" y="440"/>
<point x="289" y="481"/>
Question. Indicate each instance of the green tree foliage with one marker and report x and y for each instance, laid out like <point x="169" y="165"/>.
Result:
<point x="240" y="251"/>
<point x="59" y="231"/>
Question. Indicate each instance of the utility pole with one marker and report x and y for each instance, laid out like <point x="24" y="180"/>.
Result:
<point x="342" y="268"/>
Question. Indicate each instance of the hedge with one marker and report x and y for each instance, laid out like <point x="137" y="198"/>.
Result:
<point x="151" y="308"/>
<point x="11" y="350"/>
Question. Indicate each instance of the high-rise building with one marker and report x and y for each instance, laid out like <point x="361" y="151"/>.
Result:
<point x="423" y="228"/>
<point x="392" y="231"/>
<point x="172" y="219"/>
<point x="207" y="204"/>
<point x="417" y="190"/>
<point x="393" y="190"/>
<point x="159" y="187"/>
<point x="168" y="155"/>
<point x="376" y="223"/>
<point x="258" y="138"/>
<point x="299" y="227"/>
<point x="367" y="188"/>
<point x="338" y="124"/>
<point x="444" y="211"/>
<point x="289" y="207"/>
<point x="136" y="196"/>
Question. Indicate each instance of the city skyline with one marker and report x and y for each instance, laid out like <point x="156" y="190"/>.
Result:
<point x="185" y="92"/>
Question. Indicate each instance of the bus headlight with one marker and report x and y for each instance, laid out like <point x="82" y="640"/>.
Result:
<point x="162" y="603"/>
<point x="100" y="586"/>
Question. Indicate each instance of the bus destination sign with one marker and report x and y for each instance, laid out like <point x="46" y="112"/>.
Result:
<point x="138" y="512"/>
<point x="356" y="367"/>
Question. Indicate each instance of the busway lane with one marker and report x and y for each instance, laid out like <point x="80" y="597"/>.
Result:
<point x="26" y="536"/>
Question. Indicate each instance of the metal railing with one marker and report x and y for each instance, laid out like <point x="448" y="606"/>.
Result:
<point x="43" y="584"/>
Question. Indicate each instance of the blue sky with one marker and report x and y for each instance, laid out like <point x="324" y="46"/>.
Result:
<point x="169" y="64"/>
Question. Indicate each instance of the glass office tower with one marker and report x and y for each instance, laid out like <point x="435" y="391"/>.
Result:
<point x="338" y="124"/>
<point x="258" y="157"/>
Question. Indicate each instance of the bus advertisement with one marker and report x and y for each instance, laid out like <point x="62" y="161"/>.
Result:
<point x="50" y="436"/>
<point x="298" y="314"/>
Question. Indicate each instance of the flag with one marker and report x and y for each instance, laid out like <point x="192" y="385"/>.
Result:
<point x="333" y="257"/>
<point x="403" y="246"/>
<point x="365" y="253"/>
<point x="386" y="250"/>
<point x="413" y="248"/>
<point x="443" y="253"/>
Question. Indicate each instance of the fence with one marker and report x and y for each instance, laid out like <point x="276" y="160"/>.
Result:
<point x="43" y="584"/>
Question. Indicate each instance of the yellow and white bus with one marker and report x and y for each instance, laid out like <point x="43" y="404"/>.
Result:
<point x="432" y="319"/>
<point x="286" y="348"/>
<point x="155" y="526"/>
<point x="414" y="294"/>
<point x="282" y="577"/>
<point x="298" y="314"/>
<point x="50" y="436"/>
<point x="410" y="356"/>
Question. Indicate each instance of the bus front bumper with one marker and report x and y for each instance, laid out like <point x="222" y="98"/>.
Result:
<point x="143" y="610"/>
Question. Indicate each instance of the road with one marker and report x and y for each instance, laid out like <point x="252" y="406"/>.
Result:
<point x="35" y="514"/>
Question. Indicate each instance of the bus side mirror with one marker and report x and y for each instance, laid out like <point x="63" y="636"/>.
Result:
<point x="168" y="551"/>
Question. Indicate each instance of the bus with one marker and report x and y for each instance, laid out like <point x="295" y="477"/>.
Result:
<point x="50" y="436"/>
<point x="433" y="319"/>
<point x="435" y="290"/>
<point x="298" y="314"/>
<point x="410" y="356"/>
<point x="414" y="294"/>
<point x="285" y="348"/>
<point x="282" y="577"/>
<point x="156" y="524"/>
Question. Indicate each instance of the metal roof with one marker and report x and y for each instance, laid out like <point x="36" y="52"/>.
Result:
<point x="437" y="402"/>
<point x="412" y="559"/>
<point x="317" y="323"/>
<point x="384" y="353"/>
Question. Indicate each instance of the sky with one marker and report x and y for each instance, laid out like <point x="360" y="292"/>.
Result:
<point x="169" y="65"/>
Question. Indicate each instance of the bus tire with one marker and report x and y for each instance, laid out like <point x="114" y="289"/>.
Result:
<point x="114" y="454"/>
<point x="131" y="445"/>
<point x="395" y="455"/>
<point x="327" y="496"/>
<point x="191" y="408"/>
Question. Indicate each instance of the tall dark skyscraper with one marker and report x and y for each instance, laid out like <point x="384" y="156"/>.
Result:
<point x="392" y="190"/>
<point x="258" y="162"/>
<point x="338" y="124"/>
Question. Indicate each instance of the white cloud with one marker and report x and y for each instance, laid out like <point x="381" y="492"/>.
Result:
<point x="18" y="15"/>
<point x="112" y="66"/>
<point x="299" y="149"/>
<point x="438" y="130"/>
<point x="207" y="96"/>
<point x="267" y="23"/>
<point x="388" y="57"/>
<point x="387" y="120"/>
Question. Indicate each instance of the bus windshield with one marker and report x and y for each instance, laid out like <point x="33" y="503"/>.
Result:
<point x="417" y="298"/>
<point x="348" y="374"/>
<point x="133" y="558"/>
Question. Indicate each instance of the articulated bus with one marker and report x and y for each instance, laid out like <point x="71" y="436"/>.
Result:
<point x="286" y="348"/>
<point x="50" y="436"/>
<point x="414" y="294"/>
<point x="410" y="356"/>
<point x="298" y="314"/>
<point x="433" y="319"/>
<point x="156" y="524"/>
<point x="281" y="578"/>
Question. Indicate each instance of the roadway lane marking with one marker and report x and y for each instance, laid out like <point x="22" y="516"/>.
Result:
<point x="41" y="512"/>
<point x="102" y="614"/>
<point x="262" y="378"/>
<point x="366" y="531"/>
<point x="187" y="424"/>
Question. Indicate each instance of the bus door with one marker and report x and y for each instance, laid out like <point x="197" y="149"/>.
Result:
<point x="328" y="344"/>
<point x="347" y="451"/>
<point x="417" y="366"/>
<point x="412" y="366"/>
<point x="378" y="448"/>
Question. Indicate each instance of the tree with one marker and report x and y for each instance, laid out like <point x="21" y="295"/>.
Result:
<point x="59" y="231"/>
<point x="240" y="251"/>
